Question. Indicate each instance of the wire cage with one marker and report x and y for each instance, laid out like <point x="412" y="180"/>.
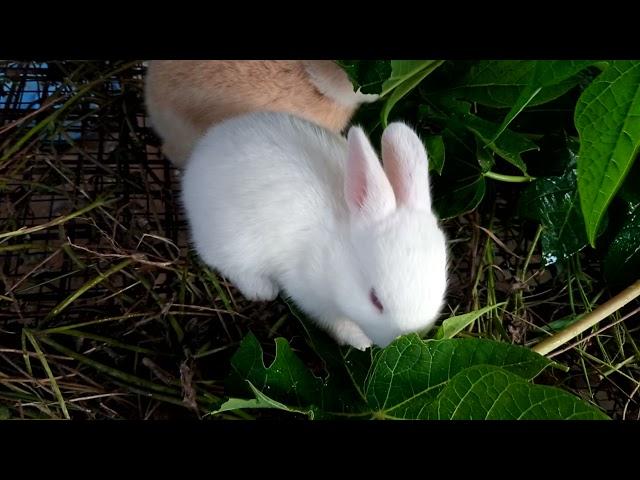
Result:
<point x="101" y="147"/>
<point x="91" y="234"/>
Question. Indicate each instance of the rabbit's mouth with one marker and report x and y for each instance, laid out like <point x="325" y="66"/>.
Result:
<point x="383" y="339"/>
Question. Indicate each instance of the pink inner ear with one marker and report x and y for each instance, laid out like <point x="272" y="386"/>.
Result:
<point x="357" y="187"/>
<point x="367" y="189"/>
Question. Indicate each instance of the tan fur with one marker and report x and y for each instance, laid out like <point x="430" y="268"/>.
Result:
<point x="185" y="97"/>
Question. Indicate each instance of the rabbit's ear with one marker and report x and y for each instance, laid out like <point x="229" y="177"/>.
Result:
<point x="406" y="164"/>
<point x="367" y="190"/>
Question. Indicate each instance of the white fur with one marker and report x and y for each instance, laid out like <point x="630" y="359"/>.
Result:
<point x="270" y="207"/>
<point x="333" y="82"/>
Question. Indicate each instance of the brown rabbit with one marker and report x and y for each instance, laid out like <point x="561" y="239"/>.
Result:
<point x="185" y="97"/>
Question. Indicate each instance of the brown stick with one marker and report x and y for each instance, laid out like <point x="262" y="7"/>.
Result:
<point x="589" y="320"/>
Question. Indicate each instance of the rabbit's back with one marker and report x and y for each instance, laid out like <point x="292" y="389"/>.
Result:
<point x="265" y="186"/>
<point x="185" y="98"/>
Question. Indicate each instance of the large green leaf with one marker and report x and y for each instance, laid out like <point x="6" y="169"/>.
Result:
<point x="456" y="117"/>
<point x="287" y="379"/>
<point x="545" y="73"/>
<point x="407" y="377"/>
<point x="436" y="152"/>
<point x="460" y="187"/>
<point x="288" y="384"/>
<point x="403" y="70"/>
<point x="367" y="75"/>
<point x="607" y="117"/>
<point x="405" y="87"/>
<point x="553" y="201"/>
<point x="500" y="83"/>
<point x="485" y="392"/>
<point x="410" y="372"/>
<point x="510" y="145"/>
<point x="345" y="369"/>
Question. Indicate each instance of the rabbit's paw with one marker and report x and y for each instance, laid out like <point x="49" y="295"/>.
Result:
<point x="257" y="288"/>
<point x="349" y="333"/>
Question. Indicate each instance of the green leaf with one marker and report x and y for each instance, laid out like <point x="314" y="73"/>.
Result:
<point x="622" y="261"/>
<point x="402" y="381"/>
<point x="261" y="401"/>
<point x="403" y="70"/>
<point x="409" y="373"/>
<point x="501" y="83"/>
<point x="435" y="150"/>
<point x="345" y="368"/>
<point x="607" y="117"/>
<point x="405" y="87"/>
<point x="485" y="392"/>
<point x="460" y="187"/>
<point x="510" y="146"/>
<point x="286" y="379"/>
<point x="459" y="197"/>
<point x="453" y="325"/>
<point x="485" y="158"/>
<point x="544" y="74"/>
<point x="367" y="75"/>
<point x="289" y="381"/>
<point x="553" y="201"/>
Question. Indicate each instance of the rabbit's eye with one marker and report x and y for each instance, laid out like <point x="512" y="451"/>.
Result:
<point x="376" y="302"/>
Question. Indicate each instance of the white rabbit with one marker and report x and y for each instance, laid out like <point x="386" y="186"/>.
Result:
<point x="186" y="97"/>
<point x="278" y="203"/>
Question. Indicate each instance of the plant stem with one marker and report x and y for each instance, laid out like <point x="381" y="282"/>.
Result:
<point x="508" y="178"/>
<point x="87" y="286"/>
<point x="589" y="320"/>
<point x="52" y="378"/>
<point x="113" y="372"/>
<point x="519" y="295"/>
<point x="60" y="220"/>
<point x="530" y="254"/>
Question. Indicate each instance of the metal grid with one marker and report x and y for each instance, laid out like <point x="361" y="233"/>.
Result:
<point x="102" y="146"/>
